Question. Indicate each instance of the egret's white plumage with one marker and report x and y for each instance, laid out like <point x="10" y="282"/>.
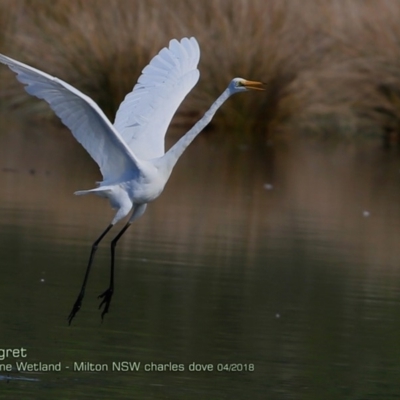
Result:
<point x="144" y="116"/>
<point x="87" y="122"/>
<point x="130" y="153"/>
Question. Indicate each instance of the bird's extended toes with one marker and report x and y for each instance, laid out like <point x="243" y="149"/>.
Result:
<point x="106" y="296"/>
<point x="74" y="310"/>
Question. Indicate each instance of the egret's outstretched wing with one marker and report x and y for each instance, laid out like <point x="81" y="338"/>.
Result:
<point x="143" y="117"/>
<point x="82" y="116"/>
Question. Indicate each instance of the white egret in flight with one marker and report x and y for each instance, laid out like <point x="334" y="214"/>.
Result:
<point x="130" y="153"/>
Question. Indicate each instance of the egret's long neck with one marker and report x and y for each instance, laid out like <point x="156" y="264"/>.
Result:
<point x="171" y="157"/>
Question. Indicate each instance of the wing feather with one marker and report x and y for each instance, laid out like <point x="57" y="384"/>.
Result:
<point x="145" y="114"/>
<point x="82" y="116"/>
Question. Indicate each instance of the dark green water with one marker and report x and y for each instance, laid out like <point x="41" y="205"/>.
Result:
<point x="283" y="261"/>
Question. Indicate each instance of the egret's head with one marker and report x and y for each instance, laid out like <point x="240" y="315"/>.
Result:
<point x="241" y="85"/>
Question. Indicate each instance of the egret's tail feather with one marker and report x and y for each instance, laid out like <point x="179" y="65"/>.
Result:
<point x="100" y="191"/>
<point x="82" y="192"/>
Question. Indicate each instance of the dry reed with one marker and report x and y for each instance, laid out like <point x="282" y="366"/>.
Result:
<point x="329" y="65"/>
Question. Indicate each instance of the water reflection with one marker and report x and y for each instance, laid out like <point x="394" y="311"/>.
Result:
<point x="296" y="278"/>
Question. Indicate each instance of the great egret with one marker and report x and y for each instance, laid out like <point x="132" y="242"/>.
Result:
<point x="130" y="153"/>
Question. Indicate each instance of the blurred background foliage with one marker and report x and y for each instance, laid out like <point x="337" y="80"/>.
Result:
<point x="331" y="66"/>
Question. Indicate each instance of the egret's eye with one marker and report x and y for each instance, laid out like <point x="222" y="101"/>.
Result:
<point x="239" y="83"/>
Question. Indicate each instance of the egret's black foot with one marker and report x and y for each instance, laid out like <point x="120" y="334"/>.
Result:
<point x="75" y="308"/>
<point x="106" y="296"/>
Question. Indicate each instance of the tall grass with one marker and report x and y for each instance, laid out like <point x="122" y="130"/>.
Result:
<point x="356" y="91"/>
<point x="329" y="65"/>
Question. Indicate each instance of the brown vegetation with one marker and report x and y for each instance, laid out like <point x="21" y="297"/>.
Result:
<point x="330" y="65"/>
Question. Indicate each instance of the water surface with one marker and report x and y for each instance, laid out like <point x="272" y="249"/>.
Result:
<point x="283" y="259"/>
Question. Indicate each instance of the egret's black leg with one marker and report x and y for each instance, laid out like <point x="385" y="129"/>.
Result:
<point x="107" y="295"/>
<point x="78" y="301"/>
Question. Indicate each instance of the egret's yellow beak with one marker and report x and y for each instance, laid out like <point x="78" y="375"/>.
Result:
<point x="254" y="85"/>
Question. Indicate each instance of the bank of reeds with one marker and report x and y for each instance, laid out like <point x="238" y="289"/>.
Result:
<point x="330" y="65"/>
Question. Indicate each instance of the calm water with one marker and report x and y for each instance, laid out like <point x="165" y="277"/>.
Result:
<point x="283" y="259"/>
